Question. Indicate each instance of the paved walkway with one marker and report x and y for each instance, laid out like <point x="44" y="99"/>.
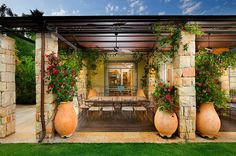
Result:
<point x="25" y="125"/>
<point x="137" y="137"/>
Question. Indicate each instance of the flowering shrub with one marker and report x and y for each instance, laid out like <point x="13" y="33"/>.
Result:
<point x="209" y="69"/>
<point x="165" y="97"/>
<point x="62" y="78"/>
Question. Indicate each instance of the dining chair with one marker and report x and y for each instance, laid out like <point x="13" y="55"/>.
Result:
<point x="139" y="107"/>
<point x="127" y="107"/>
<point x="108" y="107"/>
<point x="94" y="108"/>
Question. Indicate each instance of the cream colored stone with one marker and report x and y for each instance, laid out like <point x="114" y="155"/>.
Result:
<point x="188" y="82"/>
<point x="3" y="67"/>
<point x="11" y="87"/>
<point x="11" y="127"/>
<point x="49" y="107"/>
<point x="7" y="77"/>
<point x="2" y="51"/>
<point x="184" y="61"/>
<point x="177" y="73"/>
<point x="3" y="131"/>
<point x="3" y="86"/>
<point x="10" y="68"/>
<point x="192" y="61"/>
<point x="49" y="98"/>
<point x="186" y="91"/>
<point x="7" y="99"/>
<point x="184" y="101"/>
<point x="3" y="112"/>
<point x="187" y="135"/>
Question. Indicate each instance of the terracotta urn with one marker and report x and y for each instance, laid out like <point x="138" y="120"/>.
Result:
<point x="234" y="99"/>
<point x="65" y="121"/>
<point x="165" y="122"/>
<point x="208" y="122"/>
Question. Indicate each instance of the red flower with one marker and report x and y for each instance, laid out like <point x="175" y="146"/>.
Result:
<point x="55" y="71"/>
<point x="170" y="89"/>
<point x="52" y="85"/>
<point x="65" y="73"/>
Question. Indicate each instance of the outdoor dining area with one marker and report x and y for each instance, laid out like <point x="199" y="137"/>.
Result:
<point x="111" y="111"/>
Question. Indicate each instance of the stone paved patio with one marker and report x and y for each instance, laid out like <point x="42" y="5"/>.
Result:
<point x="25" y="133"/>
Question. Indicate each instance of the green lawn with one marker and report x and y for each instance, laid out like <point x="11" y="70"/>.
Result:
<point x="192" y="149"/>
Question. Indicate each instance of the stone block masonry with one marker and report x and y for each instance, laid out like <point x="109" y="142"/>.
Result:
<point x="51" y="45"/>
<point x="7" y="86"/>
<point x="184" y="80"/>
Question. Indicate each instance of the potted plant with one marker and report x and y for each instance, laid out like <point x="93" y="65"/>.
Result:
<point x="165" y="119"/>
<point x="62" y="83"/>
<point x="209" y="69"/>
<point x="233" y="95"/>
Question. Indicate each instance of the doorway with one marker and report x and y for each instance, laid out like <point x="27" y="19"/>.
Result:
<point x="120" y="79"/>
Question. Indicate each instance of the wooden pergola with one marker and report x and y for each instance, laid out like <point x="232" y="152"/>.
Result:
<point x="125" y="32"/>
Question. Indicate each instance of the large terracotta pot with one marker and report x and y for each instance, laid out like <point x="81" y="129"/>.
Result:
<point x="165" y="122"/>
<point x="65" y="120"/>
<point x="234" y="99"/>
<point x="208" y="121"/>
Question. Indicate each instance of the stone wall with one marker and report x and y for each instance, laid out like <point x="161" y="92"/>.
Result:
<point x="151" y="83"/>
<point x="184" y="80"/>
<point x="7" y="86"/>
<point x="51" y="45"/>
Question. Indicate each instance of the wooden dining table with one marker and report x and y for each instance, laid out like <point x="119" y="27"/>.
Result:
<point x="116" y="100"/>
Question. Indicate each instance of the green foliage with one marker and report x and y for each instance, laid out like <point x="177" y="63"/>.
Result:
<point x="193" y="29"/>
<point x="25" y="72"/>
<point x="25" y="80"/>
<point x="165" y="97"/>
<point x="209" y="69"/>
<point x="186" y="47"/>
<point x="24" y="48"/>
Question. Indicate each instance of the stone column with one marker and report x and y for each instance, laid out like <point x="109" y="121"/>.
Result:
<point x="151" y="83"/>
<point x="225" y="82"/>
<point x="51" y="45"/>
<point x="82" y="81"/>
<point x="184" y="80"/>
<point x="7" y="86"/>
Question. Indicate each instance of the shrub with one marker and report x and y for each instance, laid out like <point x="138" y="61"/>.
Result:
<point x="25" y="81"/>
<point x="165" y="97"/>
